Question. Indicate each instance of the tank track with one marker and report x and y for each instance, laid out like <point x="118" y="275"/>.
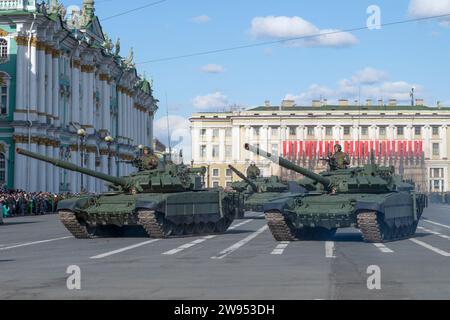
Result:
<point x="70" y="221"/>
<point x="151" y="225"/>
<point x="373" y="231"/>
<point x="279" y="227"/>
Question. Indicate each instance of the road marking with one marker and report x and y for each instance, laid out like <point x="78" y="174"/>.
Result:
<point x="239" y="244"/>
<point x="436" y="223"/>
<point x="198" y="241"/>
<point x="281" y="247"/>
<point x="383" y="248"/>
<point x="429" y="247"/>
<point x="434" y="232"/>
<point x="329" y="249"/>
<point x="240" y="224"/>
<point x="33" y="243"/>
<point x="107" y="254"/>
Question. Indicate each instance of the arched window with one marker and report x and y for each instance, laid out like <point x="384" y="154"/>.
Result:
<point x="2" y="169"/>
<point x="4" y="93"/>
<point x="3" y="50"/>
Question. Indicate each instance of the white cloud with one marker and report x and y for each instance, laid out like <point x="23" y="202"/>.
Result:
<point x="369" y="83"/>
<point x="212" y="68"/>
<point x="369" y="76"/>
<point x="429" y="8"/>
<point x="282" y="27"/>
<point x="180" y="134"/>
<point x="213" y="100"/>
<point x="201" y="19"/>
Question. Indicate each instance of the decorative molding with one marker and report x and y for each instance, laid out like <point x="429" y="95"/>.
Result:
<point x="41" y="46"/>
<point x="3" y="33"/>
<point x="55" y="53"/>
<point x="76" y="64"/>
<point x="87" y="68"/>
<point x="104" y="77"/>
<point x="21" y="41"/>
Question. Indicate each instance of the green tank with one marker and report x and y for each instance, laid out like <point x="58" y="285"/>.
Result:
<point x="371" y="198"/>
<point x="257" y="192"/>
<point x="167" y="201"/>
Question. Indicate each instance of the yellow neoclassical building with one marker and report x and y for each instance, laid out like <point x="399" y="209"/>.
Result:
<point x="415" y="138"/>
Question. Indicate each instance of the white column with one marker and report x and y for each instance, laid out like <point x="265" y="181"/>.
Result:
<point x="236" y="135"/>
<point x="49" y="83"/>
<point x="33" y="80"/>
<point x="427" y="141"/>
<point x="42" y="175"/>
<point x="75" y="95"/>
<point x="91" y="165"/>
<point x="32" y="179"/>
<point x="56" y="171"/>
<point x="84" y="100"/>
<point x="74" y="175"/>
<point x="55" y="99"/>
<point x="19" y="168"/>
<point x="20" y="80"/>
<point x="443" y="144"/>
<point x="41" y="86"/>
<point x="50" y="169"/>
<point x="90" y="99"/>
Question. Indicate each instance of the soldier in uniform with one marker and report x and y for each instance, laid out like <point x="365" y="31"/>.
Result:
<point x="339" y="160"/>
<point x="253" y="171"/>
<point x="147" y="161"/>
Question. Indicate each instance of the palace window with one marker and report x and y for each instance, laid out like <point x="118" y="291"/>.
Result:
<point x="400" y="131"/>
<point x="310" y="131"/>
<point x="215" y="172"/>
<point x="364" y="131"/>
<point x="256" y="130"/>
<point x="228" y="173"/>
<point x="215" y="184"/>
<point x="417" y="131"/>
<point x="329" y="131"/>
<point x="382" y="131"/>
<point x="215" y="133"/>
<point x="4" y="93"/>
<point x="228" y="132"/>
<point x="228" y="151"/>
<point x="436" y="149"/>
<point x="2" y="169"/>
<point x="203" y="151"/>
<point x="203" y="132"/>
<point x="215" y="151"/>
<point x="346" y="131"/>
<point x="292" y="131"/>
<point x="3" y="50"/>
<point x="435" y="131"/>
<point x="274" y="132"/>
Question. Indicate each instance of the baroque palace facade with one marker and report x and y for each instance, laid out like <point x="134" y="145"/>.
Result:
<point x="414" y="139"/>
<point x="59" y="73"/>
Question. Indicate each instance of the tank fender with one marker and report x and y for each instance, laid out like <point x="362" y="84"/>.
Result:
<point x="73" y="204"/>
<point x="370" y="206"/>
<point x="278" y="205"/>
<point x="148" y="204"/>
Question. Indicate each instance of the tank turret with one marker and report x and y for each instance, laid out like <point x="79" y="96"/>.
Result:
<point x="290" y="166"/>
<point x="167" y="178"/>
<point x="72" y="167"/>
<point x="243" y="177"/>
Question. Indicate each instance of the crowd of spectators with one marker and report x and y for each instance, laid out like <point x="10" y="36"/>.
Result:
<point x="21" y="203"/>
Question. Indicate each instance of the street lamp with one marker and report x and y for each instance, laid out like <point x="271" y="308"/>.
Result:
<point x="82" y="135"/>
<point x="141" y="148"/>
<point x="109" y="140"/>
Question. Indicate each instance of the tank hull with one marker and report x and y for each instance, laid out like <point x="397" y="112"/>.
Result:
<point x="395" y="214"/>
<point x="159" y="215"/>
<point x="255" y="202"/>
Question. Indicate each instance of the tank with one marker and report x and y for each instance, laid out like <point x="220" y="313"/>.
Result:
<point x="165" y="202"/>
<point x="371" y="197"/>
<point x="257" y="192"/>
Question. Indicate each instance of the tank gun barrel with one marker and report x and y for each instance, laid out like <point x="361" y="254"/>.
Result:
<point x="243" y="177"/>
<point x="69" y="166"/>
<point x="289" y="165"/>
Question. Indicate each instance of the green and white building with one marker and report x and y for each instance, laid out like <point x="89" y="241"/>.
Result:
<point x="59" y="72"/>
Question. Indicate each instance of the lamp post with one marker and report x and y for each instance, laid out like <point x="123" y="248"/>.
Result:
<point x="82" y="135"/>
<point x="141" y="149"/>
<point x="109" y="140"/>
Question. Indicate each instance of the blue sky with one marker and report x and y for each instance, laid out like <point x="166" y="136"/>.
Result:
<point x="384" y="63"/>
